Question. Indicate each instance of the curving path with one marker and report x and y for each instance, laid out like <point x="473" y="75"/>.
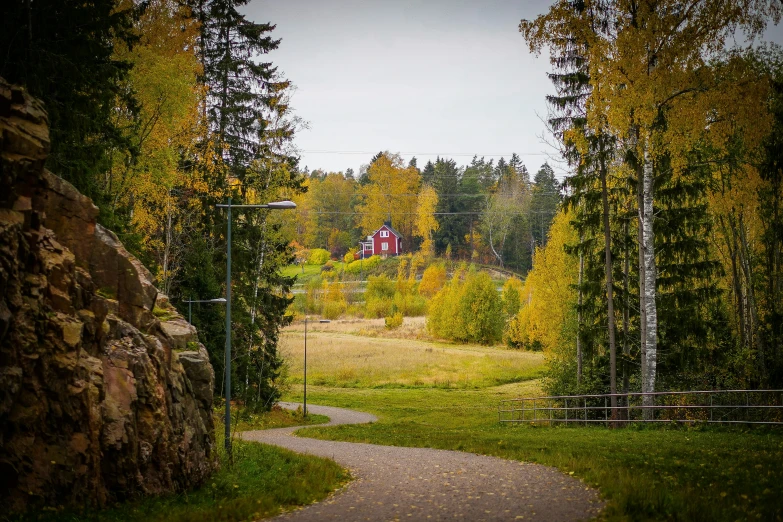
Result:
<point x="395" y="483"/>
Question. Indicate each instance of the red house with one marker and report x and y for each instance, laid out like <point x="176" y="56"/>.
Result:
<point x="383" y="242"/>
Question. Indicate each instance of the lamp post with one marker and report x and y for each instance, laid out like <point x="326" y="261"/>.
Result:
<point x="277" y="205"/>
<point x="304" y="410"/>
<point x="191" y="301"/>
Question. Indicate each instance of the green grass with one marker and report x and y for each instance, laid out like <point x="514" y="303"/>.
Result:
<point x="277" y="418"/>
<point x="263" y="481"/>
<point x="644" y="473"/>
<point x="310" y="271"/>
<point x="164" y="314"/>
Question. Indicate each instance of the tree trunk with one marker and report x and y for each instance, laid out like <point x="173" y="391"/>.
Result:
<point x="650" y="273"/>
<point x="626" y="311"/>
<point x="640" y="241"/>
<point x="609" y="288"/>
<point x="167" y="248"/>
<point x="730" y="237"/>
<point x="755" y="327"/>
<point x="579" y="315"/>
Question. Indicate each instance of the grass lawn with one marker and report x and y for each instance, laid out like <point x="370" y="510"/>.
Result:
<point x="645" y="473"/>
<point x="310" y="271"/>
<point x="263" y="481"/>
<point x="339" y="359"/>
<point x="243" y="420"/>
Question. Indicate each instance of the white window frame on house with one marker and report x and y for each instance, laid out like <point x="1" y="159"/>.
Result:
<point x="384" y="246"/>
<point x="384" y="233"/>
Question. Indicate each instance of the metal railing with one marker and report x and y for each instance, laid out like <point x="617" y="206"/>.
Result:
<point x="691" y="407"/>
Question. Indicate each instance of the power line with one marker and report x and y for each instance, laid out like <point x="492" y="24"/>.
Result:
<point x="459" y="194"/>
<point x="467" y="213"/>
<point x="465" y="154"/>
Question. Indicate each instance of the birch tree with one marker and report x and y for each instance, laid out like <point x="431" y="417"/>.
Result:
<point x="651" y="88"/>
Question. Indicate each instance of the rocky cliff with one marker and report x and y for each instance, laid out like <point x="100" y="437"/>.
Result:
<point x="105" y="392"/>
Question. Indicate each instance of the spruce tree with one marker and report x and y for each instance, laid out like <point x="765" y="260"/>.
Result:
<point x="63" y="53"/>
<point x="250" y="122"/>
<point x="544" y="203"/>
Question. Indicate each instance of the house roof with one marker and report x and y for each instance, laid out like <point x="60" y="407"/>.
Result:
<point x="391" y="228"/>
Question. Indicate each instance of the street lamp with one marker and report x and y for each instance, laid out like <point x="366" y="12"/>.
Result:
<point x="305" y="363"/>
<point x="190" y="305"/>
<point x="277" y="205"/>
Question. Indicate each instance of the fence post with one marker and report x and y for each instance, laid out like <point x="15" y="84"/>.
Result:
<point x="566" y="412"/>
<point x="551" y="408"/>
<point x="535" y="412"/>
<point x="585" y="411"/>
<point x="711" y="407"/>
<point x="606" y="413"/>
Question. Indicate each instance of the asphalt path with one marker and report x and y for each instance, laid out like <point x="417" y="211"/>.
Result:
<point x="397" y="483"/>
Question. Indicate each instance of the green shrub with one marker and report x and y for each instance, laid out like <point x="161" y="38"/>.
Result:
<point x="410" y="304"/>
<point x="333" y="300"/>
<point x="379" y="296"/>
<point x="394" y="321"/>
<point x="468" y="309"/>
<point x="348" y="257"/>
<point x="363" y="264"/>
<point x="333" y="309"/>
<point x="318" y="256"/>
<point x="313" y="292"/>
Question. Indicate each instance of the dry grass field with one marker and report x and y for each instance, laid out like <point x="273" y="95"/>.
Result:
<point x="356" y="353"/>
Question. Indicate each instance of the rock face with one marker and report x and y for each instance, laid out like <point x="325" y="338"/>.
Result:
<point x="99" y="400"/>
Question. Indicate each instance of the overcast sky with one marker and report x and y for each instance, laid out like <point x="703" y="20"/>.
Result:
<point x="419" y="77"/>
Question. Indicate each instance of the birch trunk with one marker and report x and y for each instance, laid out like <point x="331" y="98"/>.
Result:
<point x="640" y="241"/>
<point x="650" y="272"/>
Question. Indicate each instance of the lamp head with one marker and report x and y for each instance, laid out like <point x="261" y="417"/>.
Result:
<point x="282" y="205"/>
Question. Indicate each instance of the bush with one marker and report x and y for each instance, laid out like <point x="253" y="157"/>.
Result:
<point x="512" y="290"/>
<point x="394" y="321"/>
<point x="348" y="257"/>
<point x="367" y="264"/>
<point x="468" y="309"/>
<point x="318" y="256"/>
<point x="379" y="296"/>
<point x="313" y="292"/>
<point x="410" y="305"/>
<point x="333" y="302"/>
<point x="433" y="280"/>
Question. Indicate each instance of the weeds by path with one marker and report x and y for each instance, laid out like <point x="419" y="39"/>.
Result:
<point x="263" y="481"/>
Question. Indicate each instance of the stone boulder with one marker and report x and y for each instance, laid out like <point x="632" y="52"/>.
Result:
<point x="100" y="401"/>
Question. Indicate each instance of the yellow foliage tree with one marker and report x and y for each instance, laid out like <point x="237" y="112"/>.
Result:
<point x="433" y="280"/>
<point x="547" y="317"/>
<point x="164" y="79"/>
<point x="426" y="222"/>
<point x="388" y="195"/>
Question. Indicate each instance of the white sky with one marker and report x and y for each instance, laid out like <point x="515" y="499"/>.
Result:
<point x="448" y="77"/>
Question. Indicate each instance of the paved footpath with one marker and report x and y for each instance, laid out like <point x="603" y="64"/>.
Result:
<point x="395" y="483"/>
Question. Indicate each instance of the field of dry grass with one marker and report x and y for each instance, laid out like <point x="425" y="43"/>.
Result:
<point x="355" y="353"/>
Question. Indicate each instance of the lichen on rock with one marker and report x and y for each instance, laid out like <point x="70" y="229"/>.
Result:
<point x="99" y="400"/>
